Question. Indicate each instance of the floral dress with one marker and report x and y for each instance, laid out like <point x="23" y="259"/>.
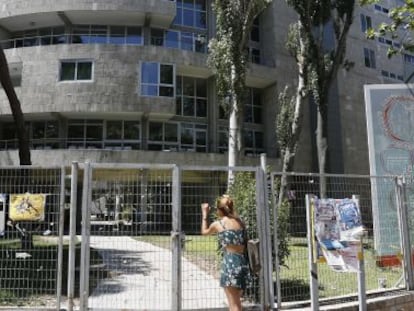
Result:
<point x="234" y="267"/>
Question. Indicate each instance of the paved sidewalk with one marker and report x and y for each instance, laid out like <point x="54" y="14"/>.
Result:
<point x="141" y="278"/>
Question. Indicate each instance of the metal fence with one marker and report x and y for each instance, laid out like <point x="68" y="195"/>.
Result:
<point x="31" y="245"/>
<point x="379" y="205"/>
<point x="127" y="237"/>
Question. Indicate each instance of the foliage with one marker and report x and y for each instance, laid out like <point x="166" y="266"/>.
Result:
<point x="243" y="191"/>
<point x="284" y="119"/>
<point x="400" y="26"/>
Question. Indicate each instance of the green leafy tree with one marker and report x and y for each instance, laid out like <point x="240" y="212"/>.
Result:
<point x="229" y="60"/>
<point x="400" y="26"/>
<point x="319" y="60"/>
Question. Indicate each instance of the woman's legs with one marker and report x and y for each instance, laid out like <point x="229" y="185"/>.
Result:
<point x="234" y="298"/>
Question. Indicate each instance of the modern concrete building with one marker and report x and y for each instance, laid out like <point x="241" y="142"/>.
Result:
<point x="127" y="81"/>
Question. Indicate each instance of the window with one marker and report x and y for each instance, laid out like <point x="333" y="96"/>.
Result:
<point x="369" y="56"/>
<point x="157" y="79"/>
<point x="254" y="55"/>
<point x="409" y="59"/>
<point x="191" y="97"/>
<point x="366" y="22"/>
<point x="253" y="141"/>
<point x="191" y="13"/>
<point x="253" y="107"/>
<point x="45" y="134"/>
<point x="85" y="134"/>
<point x="76" y="70"/>
<point x="175" y="136"/>
<point x="189" y="41"/>
<point x="121" y="134"/>
<point x="255" y="32"/>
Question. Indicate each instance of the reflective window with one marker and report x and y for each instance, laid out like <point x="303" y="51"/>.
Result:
<point x="369" y="57"/>
<point x="195" y="42"/>
<point x="170" y="136"/>
<point x="191" y="97"/>
<point x="157" y="79"/>
<point x="76" y="70"/>
<point x="253" y="107"/>
<point x="191" y="13"/>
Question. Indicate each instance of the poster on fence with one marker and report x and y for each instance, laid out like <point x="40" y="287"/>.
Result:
<point x="2" y="213"/>
<point x="27" y="207"/>
<point x="338" y="230"/>
<point x="389" y="113"/>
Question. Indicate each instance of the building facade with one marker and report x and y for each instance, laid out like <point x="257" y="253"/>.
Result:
<point x="128" y="81"/>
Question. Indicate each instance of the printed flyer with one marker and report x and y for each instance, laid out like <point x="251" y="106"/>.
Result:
<point x="338" y="230"/>
<point x="27" y="207"/>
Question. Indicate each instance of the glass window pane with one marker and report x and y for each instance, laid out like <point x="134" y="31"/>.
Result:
<point x="188" y="86"/>
<point x="259" y="139"/>
<point x="248" y="139"/>
<point x="200" y="5"/>
<point x="188" y="4"/>
<point x="178" y="103"/>
<point x="149" y="73"/>
<point x="257" y="115"/>
<point x="155" y="131"/>
<point x="114" y="130"/>
<point x="117" y="35"/>
<point x="200" y="20"/>
<point x="201" y="138"/>
<point x="187" y="41"/>
<point x="167" y="91"/>
<point x="166" y="74"/>
<point x="188" y="18"/>
<point x="171" y="132"/>
<point x="132" y="130"/>
<point x="201" y="108"/>
<point x="75" y="131"/>
<point x="188" y="106"/>
<point x="178" y="84"/>
<point x="93" y="132"/>
<point x="52" y="129"/>
<point x="67" y="71"/>
<point x="201" y="87"/>
<point x="134" y="35"/>
<point x="171" y="38"/>
<point x="254" y="35"/>
<point x="186" y="135"/>
<point x="38" y="130"/>
<point x="157" y="37"/>
<point x="84" y="71"/>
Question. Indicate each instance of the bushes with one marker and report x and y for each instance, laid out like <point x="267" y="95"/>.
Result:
<point x="243" y="192"/>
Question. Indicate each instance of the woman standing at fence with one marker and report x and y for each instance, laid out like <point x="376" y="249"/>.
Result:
<point x="231" y="233"/>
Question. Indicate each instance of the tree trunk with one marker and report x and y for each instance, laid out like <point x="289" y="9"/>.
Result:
<point x="5" y="80"/>
<point x="322" y="146"/>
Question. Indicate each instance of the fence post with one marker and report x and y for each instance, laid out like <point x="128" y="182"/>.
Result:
<point x="60" y="247"/>
<point x="176" y="240"/>
<point x="86" y="231"/>
<point x="265" y="238"/>
<point x="313" y="268"/>
<point x="362" y="298"/>
<point x="401" y="195"/>
<point x="72" y="234"/>
<point x="276" y="244"/>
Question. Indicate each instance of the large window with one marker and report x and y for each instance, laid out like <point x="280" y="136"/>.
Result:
<point x="366" y="22"/>
<point x="85" y="134"/>
<point x="252" y="139"/>
<point x="171" y="136"/>
<point x="122" y="135"/>
<point x="189" y="41"/>
<point x="253" y="107"/>
<point x="191" y="13"/>
<point x="76" y="70"/>
<point x="157" y="79"/>
<point x="102" y="34"/>
<point x="191" y="97"/>
<point x="369" y="56"/>
<point x="45" y="134"/>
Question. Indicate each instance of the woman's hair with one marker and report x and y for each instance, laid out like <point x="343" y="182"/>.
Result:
<point x="226" y="206"/>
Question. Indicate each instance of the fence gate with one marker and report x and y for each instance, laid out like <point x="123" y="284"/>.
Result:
<point x="140" y="244"/>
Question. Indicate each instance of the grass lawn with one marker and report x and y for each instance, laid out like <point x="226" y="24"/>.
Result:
<point x="28" y="280"/>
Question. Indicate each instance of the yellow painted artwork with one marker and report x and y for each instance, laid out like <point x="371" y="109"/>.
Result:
<point x="27" y="207"/>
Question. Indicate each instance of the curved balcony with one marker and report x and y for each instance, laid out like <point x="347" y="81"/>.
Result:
<point x="22" y="15"/>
